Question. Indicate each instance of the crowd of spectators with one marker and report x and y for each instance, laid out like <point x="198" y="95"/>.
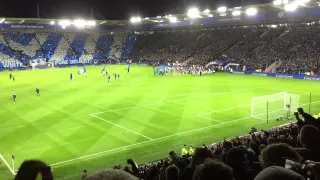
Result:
<point x="288" y="152"/>
<point x="295" y="49"/>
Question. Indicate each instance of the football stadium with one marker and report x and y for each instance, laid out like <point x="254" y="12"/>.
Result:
<point x="224" y="93"/>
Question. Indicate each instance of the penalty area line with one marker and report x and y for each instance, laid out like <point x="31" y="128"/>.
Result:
<point x="6" y="163"/>
<point x="134" y="132"/>
<point x="148" y="141"/>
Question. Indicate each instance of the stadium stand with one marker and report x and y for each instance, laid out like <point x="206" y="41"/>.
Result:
<point x="50" y="43"/>
<point x="279" y="49"/>
<point x="127" y="46"/>
<point x="116" y="48"/>
<point x="103" y="46"/>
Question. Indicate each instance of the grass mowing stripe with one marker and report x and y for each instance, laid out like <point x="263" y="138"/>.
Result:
<point x="151" y="140"/>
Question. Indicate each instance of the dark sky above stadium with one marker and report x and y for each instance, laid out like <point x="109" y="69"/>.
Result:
<point x="108" y="9"/>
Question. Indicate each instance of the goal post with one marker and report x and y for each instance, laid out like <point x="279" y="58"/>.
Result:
<point x="274" y="105"/>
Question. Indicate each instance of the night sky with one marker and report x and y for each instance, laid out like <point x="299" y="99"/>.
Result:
<point x="108" y="9"/>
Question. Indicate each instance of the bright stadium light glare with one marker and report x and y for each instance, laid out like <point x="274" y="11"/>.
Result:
<point x="285" y="1"/>
<point x="222" y="9"/>
<point x="236" y="13"/>
<point x="91" y="23"/>
<point x="158" y="17"/>
<point x="146" y="18"/>
<point x="277" y="2"/>
<point x="65" y="23"/>
<point x="52" y="22"/>
<point x="290" y="7"/>
<point x="173" y="19"/>
<point x="193" y="13"/>
<point x="135" y="19"/>
<point x="251" y="11"/>
<point x="2" y="20"/>
<point x="206" y="11"/>
<point x="80" y="23"/>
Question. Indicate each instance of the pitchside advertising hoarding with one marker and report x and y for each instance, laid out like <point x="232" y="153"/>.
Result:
<point x="280" y="75"/>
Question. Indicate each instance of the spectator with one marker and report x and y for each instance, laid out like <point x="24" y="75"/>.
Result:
<point x="29" y="170"/>
<point x="274" y="154"/>
<point x="172" y="173"/>
<point x="213" y="170"/>
<point x="309" y="138"/>
<point x="111" y="174"/>
<point x="278" y="173"/>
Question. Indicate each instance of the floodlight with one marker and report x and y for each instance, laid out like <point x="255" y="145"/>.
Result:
<point x="173" y="19"/>
<point x="135" y="19"/>
<point x="222" y="9"/>
<point x="206" y="11"/>
<point x="236" y="13"/>
<point x="91" y="23"/>
<point x="65" y="22"/>
<point x="251" y="11"/>
<point x="80" y="23"/>
<point x="290" y="7"/>
<point x="193" y="13"/>
<point x="138" y="19"/>
<point x="2" y="20"/>
<point x="277" y="2"/>
<point x="285" y="1"/>
<point x="52" y="22"/>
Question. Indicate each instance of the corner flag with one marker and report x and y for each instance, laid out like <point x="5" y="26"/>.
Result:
<point x="82" y="70"/>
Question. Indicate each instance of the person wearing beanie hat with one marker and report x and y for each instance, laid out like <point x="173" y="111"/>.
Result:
<point x="278" y="173"/>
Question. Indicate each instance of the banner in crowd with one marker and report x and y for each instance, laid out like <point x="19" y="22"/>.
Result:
<point x="55" y="62"/>
<point x="280" y="75"/>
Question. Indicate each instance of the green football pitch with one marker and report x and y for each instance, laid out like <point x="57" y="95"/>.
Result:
<point x="91" y="124"/>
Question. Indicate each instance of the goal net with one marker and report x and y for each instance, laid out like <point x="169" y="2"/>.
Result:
<point x="274" y="105"/>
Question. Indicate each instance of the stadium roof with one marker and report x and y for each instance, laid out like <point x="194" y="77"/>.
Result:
<point x="165" y="18"/>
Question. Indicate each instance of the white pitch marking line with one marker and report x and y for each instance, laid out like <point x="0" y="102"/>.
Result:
<point x="123" y="108"/>
<point x="120" y="126"/>
<point x="151" y="140"/>
<point x="199" y="115"/>
<point x="6" y="163"/>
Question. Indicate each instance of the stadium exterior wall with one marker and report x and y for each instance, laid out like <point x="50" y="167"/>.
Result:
<point x="280" y="75"/>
